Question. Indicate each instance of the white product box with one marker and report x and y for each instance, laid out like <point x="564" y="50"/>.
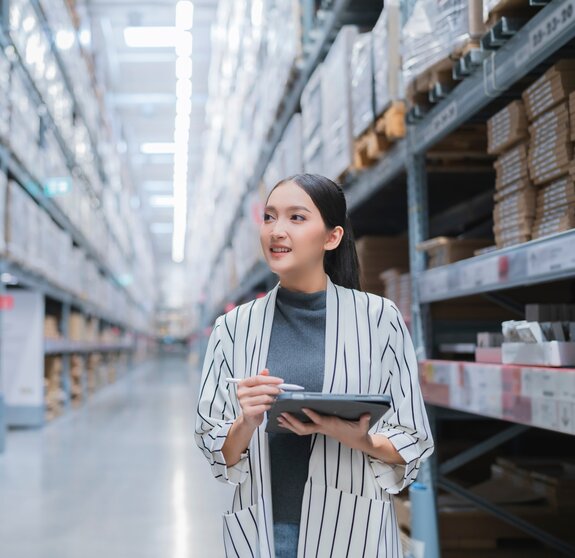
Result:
<point x="552" y="353"/>
<point x="312" y="134"/>
<point x="17" y="221"/>
<point x="388" y="83"/>
<point x="3" y="195"/>
<point x="23" y="359"/>
<point x="362" y="84"/>
<point x="336" y="104"/>
<point x="292" y="147"/>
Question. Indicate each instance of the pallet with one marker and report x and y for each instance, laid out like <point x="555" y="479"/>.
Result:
<point x="376" y="141"/>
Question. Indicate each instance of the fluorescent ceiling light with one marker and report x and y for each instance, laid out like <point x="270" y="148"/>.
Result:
<point x="183" y="89"/>
<point x="184" y="14"/>
<point x="150" y="37"/>
<point x="161" y="201"/>
<point x="158" y="148"/>
<point x="161" y="228"/>
<point x="183" y="67"/>
<point x="183" y="43"/>
<point x="85" y="37"/>
<point x="65" y="39"/>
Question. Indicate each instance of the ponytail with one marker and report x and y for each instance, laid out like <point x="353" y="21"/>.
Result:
<point x="341" y="264"/>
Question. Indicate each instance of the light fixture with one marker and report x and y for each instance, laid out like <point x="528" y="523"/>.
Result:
<point x="183" y="43"/>
<point x="161" y="201"/>
<point x="183" y="67"/>
<point x="183" y="47"/>
<point x="65" y="39"/>
<point x="150" y="37"/>
<point x="184" y="15"/>
<point x="85" y="37"/>
<point x="157" y="148"/>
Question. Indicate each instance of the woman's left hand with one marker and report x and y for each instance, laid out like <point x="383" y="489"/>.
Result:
<point x="351" y="433"/>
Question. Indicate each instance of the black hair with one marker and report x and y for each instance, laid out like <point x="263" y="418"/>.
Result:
<point x="341" y="264"/>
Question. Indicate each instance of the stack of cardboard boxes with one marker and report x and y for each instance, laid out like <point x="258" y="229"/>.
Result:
<point x="507" y="134"/>
<point x="397" y="288"/>
<point x="377" y="254"/>
<point x="53" y="393"/>
<point x="551" y="149"/>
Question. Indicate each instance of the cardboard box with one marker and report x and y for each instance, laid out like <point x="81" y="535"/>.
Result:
<point x="559" y="193"/>
<point x="512" y="166"/>
<point x="443" y="250"/>
<point x="388" y="84"/>
<point x="551" y="353"/>
<point x="77" y="327"/>
<point x="554" y="86"/>
<point x="312" y="133"/>
<point x="513" y="188"/>
<point x="377" y="254"/>
<point x="336" y="104"/>
<point x="51" y="329"/>
<point x="361" y="84"/>
<point x="506" y="128"/>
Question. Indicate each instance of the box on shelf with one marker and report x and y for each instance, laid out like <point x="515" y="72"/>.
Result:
<point x="377" y="254"/>
<point x="432" y="34"/>
<point x="397" y="288"/>
<point x="76" y="327"/>
<point x="51" y="329"/>
<point x="388" y="84"/>
<point x="550" y="353"/>
<point x="506" y="128"/>
<point x="336" y="104"/>
<point x="3" y="206"/>
<point x="53" y="393"/>
<point x="443" y="250"/>
<point x="554" y="86"/>
<point x="361" y="69"/>
<point x="550" y="148"/>
<point x="312" y="134"/>
<point x="512" y="167"/>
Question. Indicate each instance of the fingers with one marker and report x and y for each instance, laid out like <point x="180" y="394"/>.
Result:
<point x="291" y="423"/>
<point x="261" y="379"/>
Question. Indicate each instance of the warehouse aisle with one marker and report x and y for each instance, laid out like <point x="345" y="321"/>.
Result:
<point x="121" y="478"/>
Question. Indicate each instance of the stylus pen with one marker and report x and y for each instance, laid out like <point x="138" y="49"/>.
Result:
<point x="285" y="387"/>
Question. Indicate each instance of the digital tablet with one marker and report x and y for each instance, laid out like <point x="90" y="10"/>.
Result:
<point x="346" y="406"/>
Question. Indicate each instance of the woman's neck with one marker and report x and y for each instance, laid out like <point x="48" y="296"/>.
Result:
<point x="306" y="284"/>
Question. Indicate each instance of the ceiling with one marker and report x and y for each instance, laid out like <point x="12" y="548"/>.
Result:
<point x="140" y="89"/>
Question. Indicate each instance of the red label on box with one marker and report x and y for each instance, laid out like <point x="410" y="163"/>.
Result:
<point x="6" y="302"/>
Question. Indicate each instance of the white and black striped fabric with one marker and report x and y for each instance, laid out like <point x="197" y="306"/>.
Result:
<point x="347" y="508"/>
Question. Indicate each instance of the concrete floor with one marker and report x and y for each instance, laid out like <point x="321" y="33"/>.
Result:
<point x="119" y="478"/>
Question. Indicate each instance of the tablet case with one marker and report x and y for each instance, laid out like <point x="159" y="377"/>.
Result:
<point x="346" y="406"/>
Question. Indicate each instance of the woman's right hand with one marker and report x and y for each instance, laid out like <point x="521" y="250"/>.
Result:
<point x="256" y="395"/>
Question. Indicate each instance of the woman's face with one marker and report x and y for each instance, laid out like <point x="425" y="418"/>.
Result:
<point x="293" y="235"/>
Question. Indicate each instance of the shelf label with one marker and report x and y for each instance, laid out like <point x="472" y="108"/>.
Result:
<point x="433" y="283"/>
<point x="551" y="257"/>
<point x="552" y="26"/>
<point x="479" y="274"/>
<point x="6" y="302"/>
<point x="442" y="121"/>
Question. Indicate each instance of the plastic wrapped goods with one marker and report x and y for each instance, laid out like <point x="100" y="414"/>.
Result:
<point x="336" y="104"/>
<point x="311" y="112"/>
<point x="362" y="84"/>
<point x="432" y="30"/>
<point x="387" y="75"/>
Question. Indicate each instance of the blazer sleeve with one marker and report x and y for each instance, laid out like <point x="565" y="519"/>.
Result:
<point x="406" y="424"/>
<point x="216" y="412"/>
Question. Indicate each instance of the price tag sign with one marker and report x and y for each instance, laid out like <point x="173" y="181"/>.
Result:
<point x="433" y="284"/>
<point x="552" y="256"/>
<point x="479" y="274"/>
<point x="562" y="17"/>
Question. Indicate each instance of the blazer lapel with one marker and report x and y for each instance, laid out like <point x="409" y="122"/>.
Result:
<point x="334" y="339"/>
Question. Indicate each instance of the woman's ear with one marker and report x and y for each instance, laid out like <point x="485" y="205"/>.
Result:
<point x="334" y="238"/>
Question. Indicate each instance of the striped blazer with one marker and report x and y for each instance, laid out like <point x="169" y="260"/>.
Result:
<point x="347" y="508"/>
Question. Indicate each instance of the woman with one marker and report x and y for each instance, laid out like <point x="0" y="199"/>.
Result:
<point x="324" y="488"/>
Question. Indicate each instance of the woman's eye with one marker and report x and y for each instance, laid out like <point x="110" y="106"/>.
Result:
<point x="267" y="217"/>
<point x="298" y="217"/>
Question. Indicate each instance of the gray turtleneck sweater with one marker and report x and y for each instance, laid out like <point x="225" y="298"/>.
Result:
<point x="296" y="354"/>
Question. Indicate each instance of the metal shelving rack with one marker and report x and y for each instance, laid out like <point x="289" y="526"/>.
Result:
<point x="29" y="182"/>
<point x="544" y="260"/>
